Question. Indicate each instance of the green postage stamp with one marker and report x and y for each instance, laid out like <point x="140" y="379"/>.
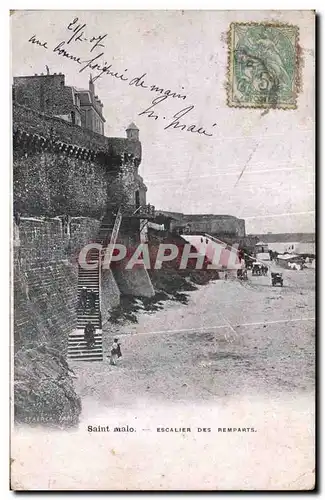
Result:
<point x="262" y="65"/>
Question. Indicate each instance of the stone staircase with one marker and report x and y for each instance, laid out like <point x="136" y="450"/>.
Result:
<point x="104" y="232"/>
<point x="90" y="278"/>
<point x="77" y="348"/>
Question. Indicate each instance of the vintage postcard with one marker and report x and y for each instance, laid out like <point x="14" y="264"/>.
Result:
<point x="163" y="250"/>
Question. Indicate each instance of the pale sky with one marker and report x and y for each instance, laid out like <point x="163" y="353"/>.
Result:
<point x="187" y="53"/>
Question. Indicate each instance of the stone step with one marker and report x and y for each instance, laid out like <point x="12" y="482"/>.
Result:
<point x="86" y="357"/>
<point x="88" y="319"/>
<point x="84" y="270"/>
<point x="92" y="279"/>
<point x="89" y="316"/>
<point x="88" y="309"/>
<point x="81" y="310"/>
<point x="76" y="343"/>
<point x="83" y="316"/>
<point x="81" y="343"/>
<point x="96" y="303"/>
<point x="80" y="334"/>
<point x="88" y="272"/>
<point x="89" y="359"/>
<point x="89" y="313"/>
<point x="84" y="350"/>
<point x="81" y="324"/>
<point x="91" y="284"/>
<point x="88" y="276"/>
<point x="84" y="319"/>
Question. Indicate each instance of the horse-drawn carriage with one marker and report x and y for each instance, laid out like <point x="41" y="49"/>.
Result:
<point x="277" y="279"/>
<point x="259" y="269"/>
<point x="242" y="274"/>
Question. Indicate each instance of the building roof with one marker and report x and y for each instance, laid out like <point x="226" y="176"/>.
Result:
<point x="287" y="237"/>
<point x="86" y="99"/>
<point x="288" y="256"/>
<point x="187" y="218"/>
<point x="261" y="243"/>
<point x="132" y="126"/>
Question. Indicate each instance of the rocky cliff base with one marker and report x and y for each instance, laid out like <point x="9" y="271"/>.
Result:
<point x="44" y="392"/>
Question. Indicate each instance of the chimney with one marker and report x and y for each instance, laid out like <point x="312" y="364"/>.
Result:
<point x="91" y="85"/>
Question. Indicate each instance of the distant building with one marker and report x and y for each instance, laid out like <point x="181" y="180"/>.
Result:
<point x="216" y="225"/>
<point x="261" y="247"/>
<point x="48" y="94"/>
<point x="297" y="243"/>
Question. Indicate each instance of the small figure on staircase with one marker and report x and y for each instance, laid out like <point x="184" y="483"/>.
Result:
<point x="17" y="217"/>
<point x="89" y="334"/>
<point x="115" y="352"/>
<point x="92" y="296"/>
<point x="83" y="298"/>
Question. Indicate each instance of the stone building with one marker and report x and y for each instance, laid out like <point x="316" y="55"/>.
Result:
<point x="50" y="95"/>
<point x="69" y="180"/>
<point x="220" y="226"/>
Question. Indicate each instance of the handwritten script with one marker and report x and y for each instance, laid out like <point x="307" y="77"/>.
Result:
<point x="78" y="33"/>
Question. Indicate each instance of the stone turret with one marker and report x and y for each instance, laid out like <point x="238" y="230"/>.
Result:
<point x="132" y="132"/>
<point x="91" y="85"/>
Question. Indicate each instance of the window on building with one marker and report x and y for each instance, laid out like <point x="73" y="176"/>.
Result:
<point x="73" y="117"/>
<point x="137" y="199"/>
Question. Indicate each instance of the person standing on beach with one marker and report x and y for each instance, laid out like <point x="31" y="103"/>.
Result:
<point x="115" y="352"/>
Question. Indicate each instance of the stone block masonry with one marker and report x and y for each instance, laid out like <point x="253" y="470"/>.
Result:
<point x="45" y="313"/>
<point x="66" y="180"/>
<point x="45" y="304"/>
<point x="110" y="294"/>
<point x="52" y="177"/>
<point x="42" y="241"/>
<point x="134" y="282"/>
<point x="50" y="184"/>
<point x="58" y="129"/>
<point x="46" y="278"/>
